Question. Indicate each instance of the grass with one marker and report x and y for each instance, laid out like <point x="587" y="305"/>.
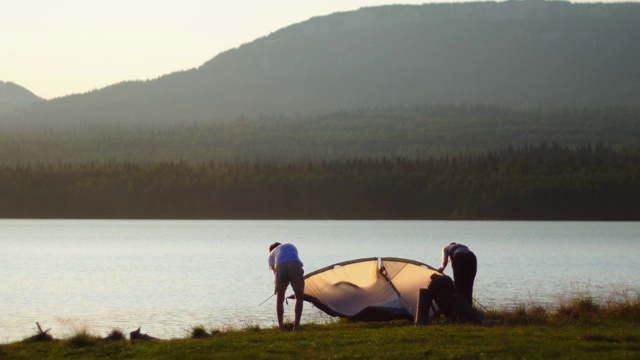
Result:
<point x="578" y="329"/>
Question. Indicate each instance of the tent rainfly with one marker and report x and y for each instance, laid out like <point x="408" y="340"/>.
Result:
<point x="370" y="289"/>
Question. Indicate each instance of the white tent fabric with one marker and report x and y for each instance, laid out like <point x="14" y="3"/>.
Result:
<point x="371" y="289"/>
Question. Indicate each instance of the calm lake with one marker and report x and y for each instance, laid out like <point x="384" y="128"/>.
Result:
<point x="168" y="276"/>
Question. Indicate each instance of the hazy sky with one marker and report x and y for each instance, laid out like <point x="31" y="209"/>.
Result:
<point x="60" y="47"/>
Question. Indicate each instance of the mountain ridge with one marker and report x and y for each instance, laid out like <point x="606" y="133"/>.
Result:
<point x="530" y="53"/>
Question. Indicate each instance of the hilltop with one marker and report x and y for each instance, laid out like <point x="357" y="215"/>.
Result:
<point x="521" y="54"/>
<point x="13" y="96"/>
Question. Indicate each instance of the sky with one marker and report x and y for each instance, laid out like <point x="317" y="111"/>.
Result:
<point x="61" y="47"/>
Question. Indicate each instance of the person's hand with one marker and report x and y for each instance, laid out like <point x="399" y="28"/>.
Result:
<point x="440" y="270"/>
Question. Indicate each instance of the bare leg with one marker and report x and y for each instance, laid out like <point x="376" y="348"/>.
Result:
<point x="280" y="310"/>
<point x="298" y="310"/>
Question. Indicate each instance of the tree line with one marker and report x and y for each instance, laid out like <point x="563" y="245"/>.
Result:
<point x="545" y="181"/>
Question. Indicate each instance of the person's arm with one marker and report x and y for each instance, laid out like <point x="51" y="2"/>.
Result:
<point x="272" y="262"/>
<point x="445" y="259"/>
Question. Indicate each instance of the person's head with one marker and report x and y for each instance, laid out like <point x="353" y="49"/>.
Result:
<point x="273" y="246"/>
<point x="453" y="244"/>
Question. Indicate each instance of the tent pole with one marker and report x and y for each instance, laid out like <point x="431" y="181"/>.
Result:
<point x="267" y="299"/>
<point x="383" y="272"/>
<point x="483" y="308"/>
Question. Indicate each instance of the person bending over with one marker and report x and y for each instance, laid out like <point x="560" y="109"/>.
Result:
<point x="287" y="268"/>
<point x="465" y="266"/>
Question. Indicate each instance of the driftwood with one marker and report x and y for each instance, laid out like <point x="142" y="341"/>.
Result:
<point x="40" y="336"/>
<point x="136" y="335"/>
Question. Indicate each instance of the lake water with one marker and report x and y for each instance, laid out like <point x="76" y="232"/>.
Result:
<point x="168" y="276"/>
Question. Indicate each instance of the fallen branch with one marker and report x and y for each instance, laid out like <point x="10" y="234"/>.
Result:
<point x="40" y="329"/>
<point x="40" y="336"/>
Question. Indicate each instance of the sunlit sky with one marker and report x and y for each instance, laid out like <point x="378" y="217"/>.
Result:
<point x="61" y="47"/>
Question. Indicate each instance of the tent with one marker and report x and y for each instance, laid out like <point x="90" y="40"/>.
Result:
<point x="371" y="289"/>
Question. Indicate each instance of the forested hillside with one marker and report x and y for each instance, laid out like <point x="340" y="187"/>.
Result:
<point x="513" y="53"/>
<point x="510" y="110"/>
<point x="548" y="181"/>
<point x="413" y="133"/>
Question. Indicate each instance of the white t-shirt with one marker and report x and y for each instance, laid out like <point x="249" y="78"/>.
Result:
<point x="282" y="253"/>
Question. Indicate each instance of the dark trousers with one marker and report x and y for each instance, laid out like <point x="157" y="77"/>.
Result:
<point x="465" y="266"/>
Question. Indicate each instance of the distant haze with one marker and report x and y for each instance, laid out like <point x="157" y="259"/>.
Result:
<point x="57" y="48"/>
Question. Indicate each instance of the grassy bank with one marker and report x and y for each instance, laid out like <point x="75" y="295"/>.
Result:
<point x="580" y="329"/>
